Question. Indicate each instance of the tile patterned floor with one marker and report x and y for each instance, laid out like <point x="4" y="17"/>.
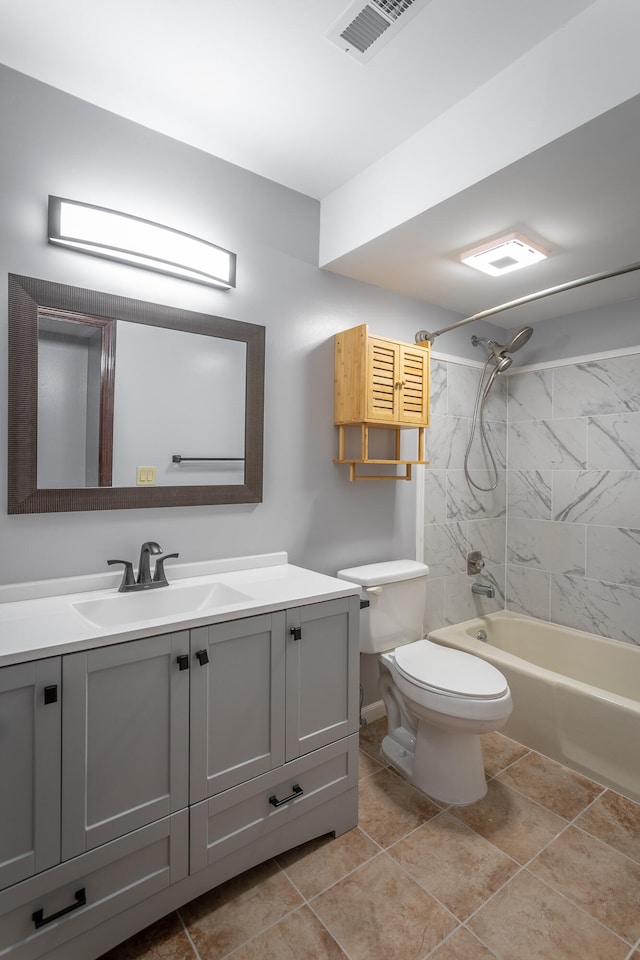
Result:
<point x="545" y="867"/>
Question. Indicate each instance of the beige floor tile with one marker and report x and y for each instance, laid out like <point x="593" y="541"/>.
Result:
<point x="379" y="913"/>
<point x="368" y="765"/>
<point x="164" y="940"/>
<point x="499" y="752"/>
<point x="454" y="863"/>
<point x="371" y="737"/>
<point x="550" y="784"/>
<point x="602" y="881"/>
<point x="389" y="807"/>
<point x="300" y="936"/>
<point x="526" y="920"/>
<point x="515" y="824"/>
<point x="239" y="909"/>
<point x="615" y="820"/>
<point x="462" y="945"/>
<point x="315" y="865"/>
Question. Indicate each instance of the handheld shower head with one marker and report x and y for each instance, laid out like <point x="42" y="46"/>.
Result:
<point x="500" y="350"/>
<point x="518" y="339"/>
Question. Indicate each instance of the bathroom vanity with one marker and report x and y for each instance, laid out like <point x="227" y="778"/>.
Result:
<point x="154" y="745"/>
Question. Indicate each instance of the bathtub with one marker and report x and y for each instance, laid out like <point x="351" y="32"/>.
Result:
<point x="576" y="696"/>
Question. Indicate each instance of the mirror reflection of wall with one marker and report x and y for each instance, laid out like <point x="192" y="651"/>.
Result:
<point x="178" y="393"/>
<point x="68" y="404"/>
<point x="174" y="393"/>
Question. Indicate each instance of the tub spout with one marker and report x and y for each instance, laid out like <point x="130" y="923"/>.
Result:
<point x="484" y="589"/>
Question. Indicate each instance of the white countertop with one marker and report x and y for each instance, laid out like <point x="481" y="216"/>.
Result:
<point x="42" y="619"/>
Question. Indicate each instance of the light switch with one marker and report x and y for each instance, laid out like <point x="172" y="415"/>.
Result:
<point x="145" y="476"/>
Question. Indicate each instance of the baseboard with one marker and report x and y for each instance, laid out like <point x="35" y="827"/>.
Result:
<point x="373" y="711"/>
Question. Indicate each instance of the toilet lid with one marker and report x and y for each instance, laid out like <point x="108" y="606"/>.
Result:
<point x="452" y="672"/>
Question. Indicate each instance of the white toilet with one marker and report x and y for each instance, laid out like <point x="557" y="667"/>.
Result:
<point x="438" y="700"/>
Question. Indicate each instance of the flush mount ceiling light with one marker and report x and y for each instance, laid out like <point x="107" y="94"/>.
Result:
<point x="141" y="243"/>
<point x="504" y="255"/>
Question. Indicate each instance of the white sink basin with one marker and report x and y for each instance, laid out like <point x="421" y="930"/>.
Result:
<point x="120" y="609"/>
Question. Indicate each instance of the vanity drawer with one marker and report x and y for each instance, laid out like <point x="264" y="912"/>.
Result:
<point x="240" y="816"/>
<point x="76" y="896"/>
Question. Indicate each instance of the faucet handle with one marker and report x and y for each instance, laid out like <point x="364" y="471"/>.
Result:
<point x="159" y="575"/>
<point x="128" y="579"/>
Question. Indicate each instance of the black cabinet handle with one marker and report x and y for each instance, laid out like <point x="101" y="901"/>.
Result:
<point x="51" y="693"/>
<point x="40" y="920"/>
<point x="297" y="792"/>
<point x="296" y="633"/>
<point x="203" y="657"/>
<point x="183" y="661"/>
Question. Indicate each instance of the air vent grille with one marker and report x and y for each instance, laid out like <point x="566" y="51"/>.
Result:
<point x="365" y="27"/>
<point x="393" y="8"/>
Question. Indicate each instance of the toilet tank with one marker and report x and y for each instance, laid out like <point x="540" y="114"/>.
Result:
<point x="396" y="591"/>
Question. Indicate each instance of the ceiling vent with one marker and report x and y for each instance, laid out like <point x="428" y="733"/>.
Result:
<point x="364" y="28"/>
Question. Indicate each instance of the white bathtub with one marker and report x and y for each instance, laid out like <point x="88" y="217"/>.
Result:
<point x="576" y="696"/>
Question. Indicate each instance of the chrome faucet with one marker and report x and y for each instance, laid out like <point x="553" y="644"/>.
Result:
<point x="484" y="589"/>
<point x="144" y="580"/>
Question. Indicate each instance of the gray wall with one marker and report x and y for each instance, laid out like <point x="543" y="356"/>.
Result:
<point x="57" y="144"/>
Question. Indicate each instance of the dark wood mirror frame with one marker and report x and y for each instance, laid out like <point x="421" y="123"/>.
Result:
<point x="26" y="296"/>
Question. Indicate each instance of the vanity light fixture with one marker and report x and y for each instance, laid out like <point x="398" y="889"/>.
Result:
<point x="119" y="236"/>
<point x="504" y="255"/>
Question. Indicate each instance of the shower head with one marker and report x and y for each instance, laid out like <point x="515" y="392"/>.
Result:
<point x="500" y="350"/>
<point x="518" y="339"/>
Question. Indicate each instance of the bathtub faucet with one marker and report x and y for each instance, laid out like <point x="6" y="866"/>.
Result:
<point x="484" y="589"/>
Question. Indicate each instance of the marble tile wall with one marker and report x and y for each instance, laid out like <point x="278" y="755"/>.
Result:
<point x="573" y="495"/>
<point x="458" y="519"/>
<point x="561" y="532"/>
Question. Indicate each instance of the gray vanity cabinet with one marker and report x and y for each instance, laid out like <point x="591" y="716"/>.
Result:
<point x="125" y="732"/>
<point x="237" y="702"/>
<point x="29" y="769"/>
<point x="322" y="667"/>
<point x="274" y="721"/>
<point x="138" y="775"/>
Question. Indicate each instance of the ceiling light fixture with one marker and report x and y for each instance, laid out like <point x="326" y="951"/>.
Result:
<point x="504" y="255"/>
<point x="118" y="236"/>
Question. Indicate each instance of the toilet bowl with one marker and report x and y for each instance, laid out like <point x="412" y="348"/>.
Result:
<point x="438" y="701"/>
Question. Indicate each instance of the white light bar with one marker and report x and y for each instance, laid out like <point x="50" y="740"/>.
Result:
<point x="141" y="243"/>
<point x="504" y="255"/>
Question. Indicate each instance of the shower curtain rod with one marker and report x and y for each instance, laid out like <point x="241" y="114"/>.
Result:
<point x="423" y="335"/>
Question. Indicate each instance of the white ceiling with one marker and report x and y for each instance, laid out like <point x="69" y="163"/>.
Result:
<point x="257" y="83"/>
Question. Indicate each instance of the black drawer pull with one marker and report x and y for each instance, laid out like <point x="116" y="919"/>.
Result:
<point x="297" y="792"/>
<point x="40" y="920"/>
<point x="203" y="657"/>
<point x="51" y="693"/>
<point x="296" y="633"/>
<point x="183" y="661"/>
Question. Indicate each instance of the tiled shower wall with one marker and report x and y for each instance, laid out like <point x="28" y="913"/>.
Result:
<point x="573" y="496"/>
<point x="457" y="519"/>
<point x="561" y="532"/>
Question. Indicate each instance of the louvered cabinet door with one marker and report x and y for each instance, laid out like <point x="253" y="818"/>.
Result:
<point x="413" y="394"/>
<point x="383" y="362"/>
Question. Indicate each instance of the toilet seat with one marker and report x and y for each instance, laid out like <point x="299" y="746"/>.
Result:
<point x="449" y="672"/>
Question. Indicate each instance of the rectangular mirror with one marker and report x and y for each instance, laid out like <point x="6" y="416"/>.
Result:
<point x="118" y="403"/>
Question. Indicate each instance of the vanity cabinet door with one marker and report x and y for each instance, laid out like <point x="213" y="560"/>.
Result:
<point x="322" y="667"/>
<point x="125" y="733"/>
<point x="237" y="702"/>
<point x="29" y="769"/>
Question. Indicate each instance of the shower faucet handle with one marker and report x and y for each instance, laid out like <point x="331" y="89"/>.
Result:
<point x="475" y="563"/>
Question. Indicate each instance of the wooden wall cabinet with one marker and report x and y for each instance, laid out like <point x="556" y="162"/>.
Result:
<point x="382" y="384"/>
